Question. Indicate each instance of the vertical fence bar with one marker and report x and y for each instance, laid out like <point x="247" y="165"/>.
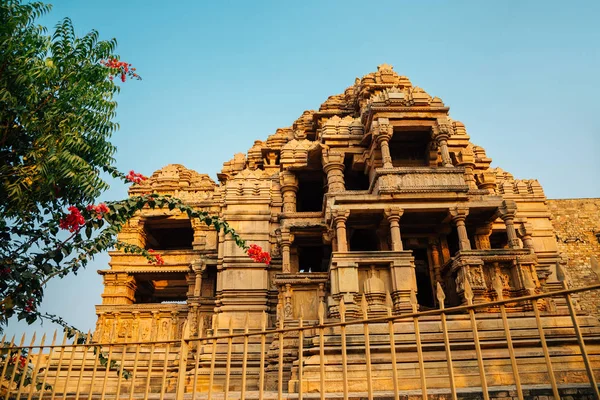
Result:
<point x="163" y="385"/>
<point x="84" y="357"/>
<point x="184" y="349"/>
<point x="2" y="346"/>
<point x="96" y="350"/>
<point x="121" y="369"/>
<point x="245" y="357"/>
<point x="498" y="287"/>
<point x="342" y="309"/>
<point x="468" y="293"/>
<point x="50" y="351"/>
<point x="211" y="379"/>
<point x="414" y="306"/>
<point x="59" y="366"/>
<point x="441" y="297"/>
<point x="392" y="333"/>
<point x="538" y="321"/>
<point x="36" y="368"/>
<point x="107" y="370"/>
<point x="586" y="360"/>
<point x="300" y="355"/>
<point x="25" y="366"/>
<point x="72" y="350"/>
<point x="263" y="344"/>
<point x="149" y="370"/>
<point x="365" y="315"/>
<point x="135" y="362"/>
<point x="14" y="372"/>
<point x="280" y="371"/>
<point x="321" y="350"/>
<point x="228" y="360"/>
<point x="5" y="366"/>
<point x="197" y="363"/>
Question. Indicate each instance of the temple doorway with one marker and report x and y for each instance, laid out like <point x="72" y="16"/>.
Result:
<point x="425" y="295"/>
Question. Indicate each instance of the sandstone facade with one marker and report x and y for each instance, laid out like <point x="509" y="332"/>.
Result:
<point x="377" y="193"/>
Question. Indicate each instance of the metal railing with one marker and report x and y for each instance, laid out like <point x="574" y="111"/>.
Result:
<point x="203" y="367"/>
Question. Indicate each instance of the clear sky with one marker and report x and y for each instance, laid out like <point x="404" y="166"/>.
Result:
<point x="523" y="76"/>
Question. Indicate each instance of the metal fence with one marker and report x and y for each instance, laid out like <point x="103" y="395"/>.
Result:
<point x="257" y="363"/>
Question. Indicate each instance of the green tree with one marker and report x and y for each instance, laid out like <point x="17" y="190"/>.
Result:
<point x="56" y="119"/>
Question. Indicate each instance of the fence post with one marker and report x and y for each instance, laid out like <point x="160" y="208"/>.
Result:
<point x="182" y="368"/>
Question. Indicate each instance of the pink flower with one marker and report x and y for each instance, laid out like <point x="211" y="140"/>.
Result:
<point x="134" y="177"/>
<point x="257" y="254"/>
<point x="72" y="221"/>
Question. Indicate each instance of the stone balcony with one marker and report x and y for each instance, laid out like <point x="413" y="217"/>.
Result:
<point x="175" y="261"/>
<point x="373" y="273"/>
<point x="516" y="269"/>
<point x="419" y="180"/>
<point x="151" y="321"/>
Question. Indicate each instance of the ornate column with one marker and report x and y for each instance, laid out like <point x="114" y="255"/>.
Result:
<point x="287" y="239"/>
<point x="435" y="258"/>
<point x="466" y="159"/>
<point x="339" y="219"/>
<point x="382" y="132"/>
<point x="482" y="237"/>
<point x="459" y="215"/>
<point x="442" y="141"/>
<point x="333" y="165"/>
<point x="174" y="324"/>
<point x="155" y="321"/>
<point x="198" y="268"/>
<point x="393" y="215"/>
<point x="289" y="188"/>
<point x="525" y="232"/>
<point x="507" y="213"/>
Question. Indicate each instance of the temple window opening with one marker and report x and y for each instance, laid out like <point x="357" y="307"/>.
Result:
<point x="355" y="179"/>
<point x="410" y="148"/>
<point x="311" y="189"/>
<point x="164" y="233"/>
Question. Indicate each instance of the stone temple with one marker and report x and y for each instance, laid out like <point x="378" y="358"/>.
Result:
<point x="378" y="193"/>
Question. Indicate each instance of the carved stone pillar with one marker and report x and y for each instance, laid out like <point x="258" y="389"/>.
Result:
<point x="507" y="213"/>
<point x="393" y="215"/>
<point x="174" y="325"/>
<point x="155" y="320"/>
<point x="135" y="326"/>
<point x="289" y="188"/>
<point x="382" y="131"/>
<point x="198" y="268"/>
<point x="482" y="237"/>
<point x="435" y="258"/>
<point x="525" y="232"/>
<point x="466" y="159"/>
<point x="442" y="141"/>
<point x="114" y="335"/>
<point x="459" y="215"/>
<point x="287" y="239"/>
<point x="287" y="299"/>
<point x="193" y="321"/>
<point x="339" y="219"/>
<point x="333" y="165"/>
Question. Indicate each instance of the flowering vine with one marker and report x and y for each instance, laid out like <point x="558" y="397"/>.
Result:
<point x="121" y="69"/>
<point x="257" y="254"/>
<point x="72" y="221"/>
<point x="135" y="178"/>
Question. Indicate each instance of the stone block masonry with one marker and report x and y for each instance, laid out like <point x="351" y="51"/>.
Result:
<point x="577" y="226"/>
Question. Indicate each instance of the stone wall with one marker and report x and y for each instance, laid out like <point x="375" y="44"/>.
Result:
<point x="577" y="222"/>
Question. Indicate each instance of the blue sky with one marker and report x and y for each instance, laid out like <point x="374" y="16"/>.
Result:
<point x="521" y="75"/>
